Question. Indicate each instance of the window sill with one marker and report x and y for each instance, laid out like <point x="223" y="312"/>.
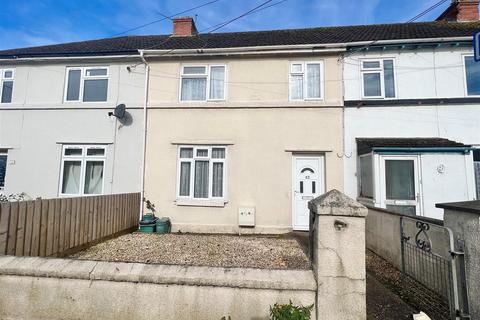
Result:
<point x="200" y="203"/>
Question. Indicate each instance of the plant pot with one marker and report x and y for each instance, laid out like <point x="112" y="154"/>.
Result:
<point x="148" y="217"/>
<point x="147" y="228"/>
<point x="163" y="225"/>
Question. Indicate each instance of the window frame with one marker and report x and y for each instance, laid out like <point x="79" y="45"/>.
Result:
<point x="3" y="79"/>
<point x="304" y="74"/>
<point x="465" y="82"/>
<point x="83" y="78"/>
<point x="211" y="161"/>
<point x="359" y="170"/>
<point x="381" y="71"/>
<point x="4" y="153"/>
<point x="207" y="76"/>
<point x="83" y="158"/>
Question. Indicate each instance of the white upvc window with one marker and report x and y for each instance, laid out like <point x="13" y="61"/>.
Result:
<point x="378" y="78"/>
<point x="306" y="81"/>
<point x="366" y="176"/>
<point x="86" y="84"/>
<point x="3" y="168"/>
<point x="201" y="172"/>
<point x="6" y="85"/>
<point x="472" y="76"/>
<point x="82" y="170"/>
<point x="203" y="83"/>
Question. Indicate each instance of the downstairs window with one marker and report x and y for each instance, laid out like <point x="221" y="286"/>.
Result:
<point x="201" y="172"/>
<point x="82" y="170"/>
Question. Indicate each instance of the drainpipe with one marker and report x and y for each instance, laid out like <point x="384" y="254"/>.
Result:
<point x="144" y="142"/>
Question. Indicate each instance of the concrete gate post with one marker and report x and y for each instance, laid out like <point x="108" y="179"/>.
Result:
<point x="337" y="232"/>
<point x="463" y="218"/>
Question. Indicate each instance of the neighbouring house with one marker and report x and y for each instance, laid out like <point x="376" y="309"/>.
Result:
<point x="412" y="112"/>
<point x="56" y="135"/>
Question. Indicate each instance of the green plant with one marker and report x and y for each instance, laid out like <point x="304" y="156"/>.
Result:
<point x="290" y="312"/>
<point x="225" y="318"/>
<point x="150" y="206"/>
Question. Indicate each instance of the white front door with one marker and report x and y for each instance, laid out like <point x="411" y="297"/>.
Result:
<point x="400" y="184"/>
<point x="308" y="183"/>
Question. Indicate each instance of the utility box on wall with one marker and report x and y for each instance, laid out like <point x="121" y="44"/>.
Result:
<point x="246" y="217"/>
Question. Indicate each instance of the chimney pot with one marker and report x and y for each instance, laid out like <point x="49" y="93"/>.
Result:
<point x="184" y="27"/>
<point x="461" y="11"/>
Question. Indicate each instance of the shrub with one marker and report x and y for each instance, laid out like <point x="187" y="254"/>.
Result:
<point x="290" y="312"/>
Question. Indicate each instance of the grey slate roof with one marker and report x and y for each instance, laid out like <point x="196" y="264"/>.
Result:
<point x="323" y="35"/>
<point x="365" y="145"/>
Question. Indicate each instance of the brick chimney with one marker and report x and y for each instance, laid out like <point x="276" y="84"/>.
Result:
<point x="184" y="27"/>
<point x="461" y="11"/>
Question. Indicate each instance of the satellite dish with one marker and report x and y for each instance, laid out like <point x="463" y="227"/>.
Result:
<point x="119" y="111"/>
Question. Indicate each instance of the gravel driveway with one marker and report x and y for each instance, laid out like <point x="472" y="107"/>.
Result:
<point x="267" y="252"/>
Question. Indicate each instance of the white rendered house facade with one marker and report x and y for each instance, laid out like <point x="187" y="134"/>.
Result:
<point x="421" y="90"/>
<point x="56" y="136"/>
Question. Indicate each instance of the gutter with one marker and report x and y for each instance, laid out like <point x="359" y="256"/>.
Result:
<point x="144" y="140"/>
<point x="62" y="58"/>
<point x="387" y="150"/>
<point x="240" y="51"/>
<point x="303" y="48"/>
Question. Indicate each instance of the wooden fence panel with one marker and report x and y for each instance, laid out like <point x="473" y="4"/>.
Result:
<point x="54" y="226"/>
<point x="12" y="229"/>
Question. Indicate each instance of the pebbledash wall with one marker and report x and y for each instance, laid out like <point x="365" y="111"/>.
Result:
<point x="38" y="122"/>
<point x="419" y="74"/>
<point x="261" y="130"/>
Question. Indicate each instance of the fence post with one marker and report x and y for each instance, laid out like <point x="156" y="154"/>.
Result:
<point x="338" y="250"/>
<point x="463" y="218"/>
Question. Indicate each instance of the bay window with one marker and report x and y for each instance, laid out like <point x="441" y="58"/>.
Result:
<point x="6" y="85"/>
<point x="82" y="170"/>
<point x="201" y="172"/>
<point x="202" y="83"/>
<point x="306" y="80"/>
<point x="378" y="78"/>
<point x="87" y="84"/>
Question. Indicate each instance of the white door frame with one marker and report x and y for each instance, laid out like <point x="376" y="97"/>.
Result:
<point x="417" y="176"/>
<point x="321" y="178"/>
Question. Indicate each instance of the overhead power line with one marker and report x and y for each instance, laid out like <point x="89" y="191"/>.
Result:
<point x="421" y="14"/>
<point x="216" y="27"/>
<point x="255" y="11"/>
<point x="240" y="16"/>
<point x="418" y="16"/>
<point x="165" y="17"/>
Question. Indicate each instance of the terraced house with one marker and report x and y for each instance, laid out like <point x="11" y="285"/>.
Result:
<point x="229" y="132"/>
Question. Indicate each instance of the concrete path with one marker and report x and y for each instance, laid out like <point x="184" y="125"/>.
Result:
<point x="384" y="304"/>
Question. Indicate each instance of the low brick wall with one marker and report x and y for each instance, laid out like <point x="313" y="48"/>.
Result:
<point x="42" y="288"/>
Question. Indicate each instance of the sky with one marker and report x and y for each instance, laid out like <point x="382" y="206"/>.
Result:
<point x="41" y="22"/>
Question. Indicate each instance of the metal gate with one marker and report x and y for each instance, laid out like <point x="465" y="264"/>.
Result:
<point x="429" y="257"/>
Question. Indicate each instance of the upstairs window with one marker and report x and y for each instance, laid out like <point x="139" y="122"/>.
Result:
<point x="472" y="75"/>
<point x="378" y="78"/>
<point x="201" y="172"/>
<point x="3" y="168"/>
<point x="306" y="80"/>
<point x="82" y="170"/>
<point x="202" y="83"/>
<point x="87" y="84"/>
<point x="6" y="85"/>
